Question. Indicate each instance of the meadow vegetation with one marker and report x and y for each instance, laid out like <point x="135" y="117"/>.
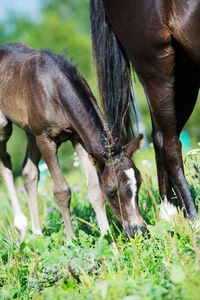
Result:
<point x="163" y="264"/>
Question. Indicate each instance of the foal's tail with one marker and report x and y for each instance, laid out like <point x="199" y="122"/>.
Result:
<point x="114" y="76"/>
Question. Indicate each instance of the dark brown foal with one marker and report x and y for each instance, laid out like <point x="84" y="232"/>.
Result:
<point x="46" y="96"/>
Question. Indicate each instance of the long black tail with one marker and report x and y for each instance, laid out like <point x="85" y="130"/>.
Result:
<point x="114" y="76"/>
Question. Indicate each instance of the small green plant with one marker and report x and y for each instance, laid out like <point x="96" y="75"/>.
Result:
<point x="192" y="163"/>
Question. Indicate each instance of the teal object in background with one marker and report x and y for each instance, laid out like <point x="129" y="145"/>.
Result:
<point x="185" y="140"/>
<point x="43" y="171"/>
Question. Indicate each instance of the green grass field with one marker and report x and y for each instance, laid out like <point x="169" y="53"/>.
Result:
<point x="164" y="264"/>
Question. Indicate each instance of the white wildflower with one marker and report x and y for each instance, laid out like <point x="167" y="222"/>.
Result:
<point x="76" y="164"/>
<point x="151" y="145"/>
<point x="42" y="167"/>
<point x="147" y="163"/>
<point x="193" y="152"/>
<point x="76" y="160"/>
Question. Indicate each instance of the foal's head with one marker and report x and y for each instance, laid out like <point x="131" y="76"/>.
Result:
<point x="120" y="181"/>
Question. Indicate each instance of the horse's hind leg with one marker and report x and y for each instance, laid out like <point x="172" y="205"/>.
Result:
<point x="159" y="85"/>
<point x="61" y="189"/>
<point x="31" y="174"/>
<point x="20" y="221"/>
<point x="94" y="192"/>
<point x="186" y="87"/>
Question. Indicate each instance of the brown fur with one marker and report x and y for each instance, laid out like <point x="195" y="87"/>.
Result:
<point x="46" y="96"/>
<point x="161" y="39"/>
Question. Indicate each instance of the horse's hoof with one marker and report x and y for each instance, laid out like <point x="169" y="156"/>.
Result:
<point x="38" y="232"/>
<point x="114" y="248"/>
<point x="21" y="225"/>
<point x="167" y="211"/>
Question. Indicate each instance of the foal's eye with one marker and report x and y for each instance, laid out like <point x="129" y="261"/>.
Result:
<point x="110" y="192"/>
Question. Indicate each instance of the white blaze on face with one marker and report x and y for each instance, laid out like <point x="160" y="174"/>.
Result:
<point x="133" y="185"/>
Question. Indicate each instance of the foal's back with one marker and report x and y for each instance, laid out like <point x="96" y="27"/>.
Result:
<point x="28" y="78"/>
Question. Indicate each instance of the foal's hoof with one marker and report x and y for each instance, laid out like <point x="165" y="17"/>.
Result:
<point x="114" y="248"/>
<point x="38" y="232"/>
<point x="21" y="225"/>
<point x="70" y="238"/>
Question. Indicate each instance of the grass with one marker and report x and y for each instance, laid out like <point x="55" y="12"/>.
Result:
<point x="164" y="264"/>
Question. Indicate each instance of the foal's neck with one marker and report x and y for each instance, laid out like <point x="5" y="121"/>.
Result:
<point x="81" y="109"/>
<point x="87" y="120"/>
<point x="96" y="135"/>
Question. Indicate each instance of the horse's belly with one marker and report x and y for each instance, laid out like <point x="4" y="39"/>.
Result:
<point x="17" y="116"/>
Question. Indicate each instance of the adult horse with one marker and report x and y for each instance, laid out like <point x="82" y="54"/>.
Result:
<point x="161" y="39"/>
<point x="47" y="97"/>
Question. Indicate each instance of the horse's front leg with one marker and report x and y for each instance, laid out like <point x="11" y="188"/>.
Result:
<point x="158" y="79"/>
<point x="20" y="221"/>
<point x="62" y="194"/>
<point x="94" y="192"/>
<point x="31" y="175"/>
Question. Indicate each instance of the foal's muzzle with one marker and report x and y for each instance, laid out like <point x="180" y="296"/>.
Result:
<point x="133" y="230"/>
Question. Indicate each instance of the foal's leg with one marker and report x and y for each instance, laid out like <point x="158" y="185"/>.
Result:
<point x="31" y="175"/>
<point x="20" y="221"/>
<point x="94" y="192"/>
<point x="61" y="189"/>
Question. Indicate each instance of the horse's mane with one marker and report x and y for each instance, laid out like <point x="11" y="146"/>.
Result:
<point x="70" y="71"/>
<point x="82" y="88"/>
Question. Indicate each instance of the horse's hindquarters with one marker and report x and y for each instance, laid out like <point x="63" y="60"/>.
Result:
<point x="184" y="24"/>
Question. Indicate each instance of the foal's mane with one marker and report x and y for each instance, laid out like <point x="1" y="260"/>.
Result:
<point x="70" y="71"/>
<point x="89" y="102"/>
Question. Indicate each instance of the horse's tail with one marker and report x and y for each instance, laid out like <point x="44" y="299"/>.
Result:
<point x="114" y="75"/>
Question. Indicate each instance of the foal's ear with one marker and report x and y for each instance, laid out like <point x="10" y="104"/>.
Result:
<point x="98" y="165"/>
<point x="93" y="160"/>
<point x="133" y="145"/>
